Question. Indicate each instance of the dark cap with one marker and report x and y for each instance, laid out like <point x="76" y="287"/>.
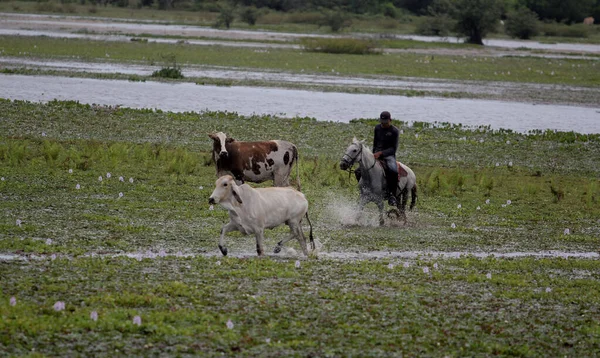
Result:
<point x="385" y="115"/>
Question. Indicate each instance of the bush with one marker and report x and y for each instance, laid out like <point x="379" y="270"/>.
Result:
<point x="168" y="72"/>
<point x="336" y="20"/>
<point x="562" y="30"/>
<point x="249" y="15"/>
<point x="522" y="23"/>
<point x="390" y="10"/>
<point x="306" y="18"/>
<point x="347" y="46"/>
<point x="226" y="16"/>
<point x="438" y="25"/>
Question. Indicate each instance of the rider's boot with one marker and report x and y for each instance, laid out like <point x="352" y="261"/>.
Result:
<point x="392" y="186"/>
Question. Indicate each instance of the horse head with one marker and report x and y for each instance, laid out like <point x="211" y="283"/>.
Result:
<point x="352" y="155"/>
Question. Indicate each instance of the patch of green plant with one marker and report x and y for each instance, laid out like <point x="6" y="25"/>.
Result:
<point x="168" y="72"/>
<point x="339" y="46"/>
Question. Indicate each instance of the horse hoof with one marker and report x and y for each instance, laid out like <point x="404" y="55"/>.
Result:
<point x="277" y="249"/>
<point x="223" y="250"/>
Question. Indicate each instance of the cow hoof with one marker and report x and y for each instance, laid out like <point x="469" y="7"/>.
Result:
<point x="277" y="249"/>
<point x="223" y="250"/>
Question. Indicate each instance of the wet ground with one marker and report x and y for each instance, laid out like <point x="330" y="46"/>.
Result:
<point x="329" y="106"/>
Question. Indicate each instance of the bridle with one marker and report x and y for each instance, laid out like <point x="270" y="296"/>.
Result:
<point x="352" y="161"/>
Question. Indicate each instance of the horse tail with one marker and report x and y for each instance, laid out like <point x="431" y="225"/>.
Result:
<point x="413" y="196"/>
<point x="310" y="236"/>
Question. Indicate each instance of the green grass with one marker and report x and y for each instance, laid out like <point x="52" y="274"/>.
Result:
<point x="326" y="307"/>
<point x="511" y="69"/>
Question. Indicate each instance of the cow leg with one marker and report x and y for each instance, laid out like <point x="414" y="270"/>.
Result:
<point x="302" y="240"/>
<point x="282" y="242"/>
<point x="230" y="226"/>
<point x="259" y="242"/>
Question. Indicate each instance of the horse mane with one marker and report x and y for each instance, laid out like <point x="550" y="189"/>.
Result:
<point x="364" y="146"/>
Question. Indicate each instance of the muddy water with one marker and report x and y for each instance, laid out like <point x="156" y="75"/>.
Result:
<point x="105" y="25"/>
<point x="339" y="107"/>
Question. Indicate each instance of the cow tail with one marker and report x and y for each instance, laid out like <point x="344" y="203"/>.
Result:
<point x="413" y="196"/>
<point x="311" y="237"/>
<point x="297" y="167"/>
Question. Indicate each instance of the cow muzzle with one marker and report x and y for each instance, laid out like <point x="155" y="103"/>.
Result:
<point x="223" y="154"/>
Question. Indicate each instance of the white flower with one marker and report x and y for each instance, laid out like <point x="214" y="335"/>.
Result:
<point x="425" y="269"/>
<point x="48" y="241"/>
<point x="508" y="202"/>
<point x="70" y="171"/>
<point x="481" y="141"/>
<point x="94" y="316"/>
<point x="548" y="289"/>
<point x="297" y="264"/>
<point x="401" y="131"/>
<point x="211" y="208"/>
<point x="229" y="324"/>
<point x="131" y="180"/>
<point x="479" y="208"/>
<point x="268" y="340"/>
<point x="201" y="187"/>
<point x="390" y="265"/>
<point x="100" y="178"/>
<point x="218" y="263"/>
<point x="453" y="226"/>
<point x="497" y="164"/>
<point x="510" y="164"/>
<point x="503" y="205"/>
<point x="567" y="231"/>
<point x="59" y="306"/>
<point x="406" y="265"/>
<point x="139" y="258"/>
<point x="121" y="179"/>
<point x="435" y="266"/>
<point x="77" y="186"/>
<point x="459" y="206"/>
<point x="487" y="201"/>
<point x="108" y="175"/>
<point x="120" y="195"/>
<point x="13" y="301"/>
<point x="53" y="257"/>
<point x="416" y="135"/>
<point x="137" y="320"/>
<point x="507" y="142"/>
<point x="489" y="276"/>
<point x="18" y="222"/>
<point x="43" y="134"/>
<point x="2" y="179"/>
<point x="162" y="253"/>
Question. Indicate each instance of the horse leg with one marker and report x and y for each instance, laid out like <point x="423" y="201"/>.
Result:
<point x="381" y="207"/>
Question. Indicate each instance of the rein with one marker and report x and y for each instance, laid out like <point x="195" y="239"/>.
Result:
<point x="349" y="170"/>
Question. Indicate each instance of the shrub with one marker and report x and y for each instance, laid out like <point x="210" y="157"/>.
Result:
<point x="438" y="25"/>
<point x="168" y="72"/>
<point x="347" y="46"/>
<point x="225" y="17"/>
<point x="560" y="29"/>
<point x="336" y="20"/>
<point x="249" y="15"/>
<point x="522" y="23"/>
<point x="390" y="10"/>
<point x="306" y="18"/>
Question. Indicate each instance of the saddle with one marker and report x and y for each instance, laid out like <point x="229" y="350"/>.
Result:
<point x="401" y="172"/>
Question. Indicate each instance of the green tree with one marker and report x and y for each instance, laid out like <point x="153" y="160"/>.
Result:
<point x="569" y="11"/>
<point x="476" y="18"/>
<point x="522" y="23"/>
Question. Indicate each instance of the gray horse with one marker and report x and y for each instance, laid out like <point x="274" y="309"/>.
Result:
<point x="372" y="180"/>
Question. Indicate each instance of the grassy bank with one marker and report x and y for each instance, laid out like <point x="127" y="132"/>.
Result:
<point x="57" y="210"/>
<point x="510" y="69"/>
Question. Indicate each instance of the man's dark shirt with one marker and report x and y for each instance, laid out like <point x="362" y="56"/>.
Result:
<point x="385" y="140"/>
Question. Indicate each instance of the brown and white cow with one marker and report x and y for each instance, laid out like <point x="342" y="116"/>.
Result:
<point x="588" y="21"/>
<point x="254" y="161"/>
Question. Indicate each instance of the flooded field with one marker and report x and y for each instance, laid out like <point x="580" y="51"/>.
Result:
<point x="338" y="107"/>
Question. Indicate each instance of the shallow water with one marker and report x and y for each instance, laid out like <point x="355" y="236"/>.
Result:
<point x="329" y="106"/>
<point x="105" y="25"/>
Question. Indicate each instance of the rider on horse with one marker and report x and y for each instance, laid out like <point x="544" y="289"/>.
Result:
<point x="385" y="144"/>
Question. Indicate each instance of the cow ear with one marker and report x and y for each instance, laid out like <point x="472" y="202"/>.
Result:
<point x="212" y="136"/>
<point x="229" y="140"/>
<point x="236" y="196"/>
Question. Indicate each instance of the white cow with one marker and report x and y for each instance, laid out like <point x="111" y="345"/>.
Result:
<point x="251" y="211"/>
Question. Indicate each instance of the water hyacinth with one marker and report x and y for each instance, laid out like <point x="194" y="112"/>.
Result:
<point x="297" y="264"/>
<point x="488" y="276"/>
<point x="2" y="179"/>
<point x="406" y="265"/>
<point x="479" y="208"/>
<point x="503" y="205"/>
<point x="53" y="257"/>
<point x="507" y="142"/>
<point x="70" y="171"/>
<point x="508" y="202"/>
<point x="229" y="324"/>
<point x="435" y="266"/>
<point x="567" y="232"/>
<point x="48" y="241"/>
<point x="201" y="187"/>
<point x="94" y="316"/>
<point x="425" y="269"/>
<point x="131" y="180"/>
<point x="481" y="141"/>
<point x="211" y="208"/>
<point x="59" y="306"/>
<point x="268" y="340"/>
<point x="137" y="320"/>
<point x="77" y="186"/>
<point x="108" y="175"/>
<point x="548" y="290"/>
<point x="487" y="201"/>
<point x="18" y="222"/>
<point x="459" y="206"/>
<point x="13" y="301"/>
<point x="218" y="263"/>
<point x="100" y="178"/>
<point x="120" y="195"/>
<point x="417" y="135"/>
<point x="43" y="134"/>
<point x="162" y="253"/>
<point x="453" y="226"/>
<point x="121" y="179"/>
<point x="497" y="164"/>
<point x="510" y="164"/>
<point x="390" y="265"/>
